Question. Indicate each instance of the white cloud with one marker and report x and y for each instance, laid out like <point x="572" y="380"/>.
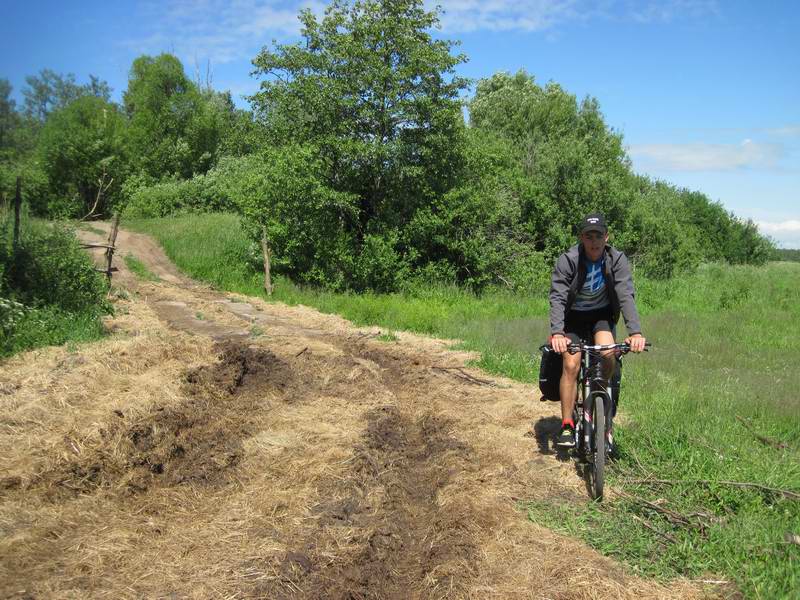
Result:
<point x="218" y="30"/>
<point x="790" y="226"/>
<point x="539" y="15"/>
<point x="706" y="157"/>
<point x="225" y="31"/>
<point x="785" y="233"/>
<point x="648" y="12"/>
<point x="786" y="131"/>
<point x="504" y="15"/>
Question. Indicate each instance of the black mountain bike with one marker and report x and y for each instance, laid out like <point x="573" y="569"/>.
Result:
<point x="594" y="409"/>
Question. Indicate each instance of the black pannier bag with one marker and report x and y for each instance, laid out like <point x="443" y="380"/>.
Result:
<point x="550" y="375"/>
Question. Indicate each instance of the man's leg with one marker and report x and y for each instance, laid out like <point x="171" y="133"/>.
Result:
<point x="605" y="338"/>
<point x="568" y="390"/>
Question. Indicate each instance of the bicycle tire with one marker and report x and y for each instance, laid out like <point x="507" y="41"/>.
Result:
<point x="599" y="435"/>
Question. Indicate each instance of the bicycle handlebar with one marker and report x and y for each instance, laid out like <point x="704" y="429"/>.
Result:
<point x="575" y="348"/>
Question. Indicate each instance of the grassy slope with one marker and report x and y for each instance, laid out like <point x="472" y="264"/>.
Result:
<point x="726" y="344"/>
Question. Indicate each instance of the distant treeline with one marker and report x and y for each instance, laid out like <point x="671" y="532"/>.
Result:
<point x="356" y="167"/>
<point x="791" y="254"/>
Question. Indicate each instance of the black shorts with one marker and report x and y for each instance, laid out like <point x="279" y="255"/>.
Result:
<point x="582" y="325"/>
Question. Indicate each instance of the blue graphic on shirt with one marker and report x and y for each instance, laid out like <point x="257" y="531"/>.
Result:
<point x="593" y="295"/>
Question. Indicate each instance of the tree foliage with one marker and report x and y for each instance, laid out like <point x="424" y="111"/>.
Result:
<point x="356" y="164"/>
<point x="50" y="91"/>
<point x="81" y="149"/>
<point x="377" y="95"/>
<point x="283" y="196"/>
<point x="172" y="129"/>
<point x="574" y="163"/>
<point x="8" y="116"/>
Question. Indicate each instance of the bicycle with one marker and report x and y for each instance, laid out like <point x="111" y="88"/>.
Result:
<point x="594" y="409"/>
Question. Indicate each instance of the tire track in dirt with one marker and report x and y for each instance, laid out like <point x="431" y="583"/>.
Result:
<point x="406" y="546"/>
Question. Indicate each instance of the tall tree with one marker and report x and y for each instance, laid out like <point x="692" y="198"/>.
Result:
<point x="575" y="162"/>
<point x="82" y="151"/>
<point x="8" y="114"/>
<point x="172" y="128"/>
<point x="51" y="91"/>
<point x="377" y="94"/>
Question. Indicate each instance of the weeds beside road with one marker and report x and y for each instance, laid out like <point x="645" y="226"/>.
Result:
<point x="49" y="291"/>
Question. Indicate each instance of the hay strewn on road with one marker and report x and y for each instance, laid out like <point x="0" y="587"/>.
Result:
<point x="232" y="449"/>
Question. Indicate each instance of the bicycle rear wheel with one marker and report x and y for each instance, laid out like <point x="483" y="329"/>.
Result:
<point x="599" y="445"/>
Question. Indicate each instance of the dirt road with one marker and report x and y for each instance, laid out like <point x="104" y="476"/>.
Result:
<point x="216" y="446"/>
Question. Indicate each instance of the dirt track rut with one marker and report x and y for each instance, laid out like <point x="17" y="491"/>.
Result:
<point x="220" y="446"/>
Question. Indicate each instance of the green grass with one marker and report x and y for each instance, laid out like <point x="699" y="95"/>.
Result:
<point x="726" y="344"/>
<point x="48" y="326"/>
<point x="138" y="268"/>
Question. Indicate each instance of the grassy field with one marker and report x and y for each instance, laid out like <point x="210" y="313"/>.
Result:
<point x="714" y="405"/>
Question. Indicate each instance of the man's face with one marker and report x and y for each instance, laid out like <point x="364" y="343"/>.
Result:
<point x="594" y="243"/>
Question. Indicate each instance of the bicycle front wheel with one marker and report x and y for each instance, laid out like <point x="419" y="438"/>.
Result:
<point x="599" y="445"/>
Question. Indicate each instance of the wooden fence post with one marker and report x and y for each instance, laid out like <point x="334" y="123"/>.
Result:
<point x="112" y="240"/>
<point x="267" y="255"/>
<point x="17" y="208"/>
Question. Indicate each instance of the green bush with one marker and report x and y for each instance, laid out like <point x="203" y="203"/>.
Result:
<point x="50" y="292"/>
<point x="281" y="194"/>
<point x="380" y="266"/>
<point x="35" y="186"/>
<point x="656" y="237"/>
<point x="49" y="268"/>
<point x="201" y="193"/>
<point x="11" y="313"/>
<point x="81" y="148"/>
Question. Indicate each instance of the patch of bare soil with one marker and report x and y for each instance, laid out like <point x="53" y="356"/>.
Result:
<point x="198" y="439"/>
<point x="218" y="446"/>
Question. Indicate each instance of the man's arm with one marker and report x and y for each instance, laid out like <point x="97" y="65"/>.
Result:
<point x="623" y="287"/>
<point x="559" y="292"/>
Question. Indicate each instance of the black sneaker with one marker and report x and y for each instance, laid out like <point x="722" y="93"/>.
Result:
<point x="566" y="438"/>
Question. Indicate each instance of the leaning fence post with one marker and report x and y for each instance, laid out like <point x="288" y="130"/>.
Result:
<point x="17" y="208"/>
<point x="112" y="240"/>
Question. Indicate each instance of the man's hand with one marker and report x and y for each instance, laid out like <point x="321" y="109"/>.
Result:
<point x="636" y="342"/>
<point x="559" y="343"/>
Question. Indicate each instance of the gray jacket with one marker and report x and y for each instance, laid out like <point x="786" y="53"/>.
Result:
<point x="569" y="276"/>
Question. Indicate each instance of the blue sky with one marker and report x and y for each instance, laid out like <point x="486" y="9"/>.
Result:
<point x="705" y="92"/>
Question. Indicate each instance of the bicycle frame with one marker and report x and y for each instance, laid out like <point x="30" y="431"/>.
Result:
<point x="591" y="384"/>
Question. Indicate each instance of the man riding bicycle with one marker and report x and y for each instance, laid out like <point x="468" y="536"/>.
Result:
<point x="591" y="286"/>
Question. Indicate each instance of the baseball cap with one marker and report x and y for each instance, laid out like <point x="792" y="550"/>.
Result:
<point x="594" y="222"/>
